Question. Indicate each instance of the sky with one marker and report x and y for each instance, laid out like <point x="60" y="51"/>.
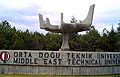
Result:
<point x="23" y="14"/>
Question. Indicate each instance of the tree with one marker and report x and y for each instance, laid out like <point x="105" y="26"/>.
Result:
<point x="10" y="38"/>
<point x="87" y="42"/>
<point x="112" y="40"/>
<point x="118" y="28"/>
<point x="72" y="35"/>
<point x="73" y="20"/>
<point x="91" y="40"/>
<point x="53" y="41"/>
<point x="39" y="40"/>
<point x="118" y="36"/>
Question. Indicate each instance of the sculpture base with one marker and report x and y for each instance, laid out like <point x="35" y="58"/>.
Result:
<point x="65" y="44"/>
<point x="59" y="62"/>
<point x="65" y="49"/>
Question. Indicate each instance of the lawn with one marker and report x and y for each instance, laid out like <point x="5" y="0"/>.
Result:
<point x="19" y="75"/>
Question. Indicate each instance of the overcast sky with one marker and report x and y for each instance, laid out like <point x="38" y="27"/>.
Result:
<point x="23" y="14"/>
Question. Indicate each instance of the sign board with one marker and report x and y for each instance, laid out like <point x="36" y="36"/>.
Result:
<point x="59" y="62"/>
<point x="59" y="58"/>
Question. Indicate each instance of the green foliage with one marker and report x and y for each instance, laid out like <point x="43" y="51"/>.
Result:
<point x="12" y="39"/>
<point x="53" y="41"/>
<point x="88" y="42"/>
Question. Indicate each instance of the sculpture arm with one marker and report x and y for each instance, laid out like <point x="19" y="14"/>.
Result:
<point x="89" y="18"/>
<point x="42" y="23"/>
<point x="47" y="26"/>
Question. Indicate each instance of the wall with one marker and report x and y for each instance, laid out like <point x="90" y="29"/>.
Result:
<point x="59" y="62"/>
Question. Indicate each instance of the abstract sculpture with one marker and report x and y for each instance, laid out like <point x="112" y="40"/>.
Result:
<point x="67" y="28"/>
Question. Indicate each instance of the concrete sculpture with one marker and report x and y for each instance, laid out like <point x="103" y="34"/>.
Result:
<point x="67" y="28"/>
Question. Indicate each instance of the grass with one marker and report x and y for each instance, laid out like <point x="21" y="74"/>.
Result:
<point x="24" y="75"/>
